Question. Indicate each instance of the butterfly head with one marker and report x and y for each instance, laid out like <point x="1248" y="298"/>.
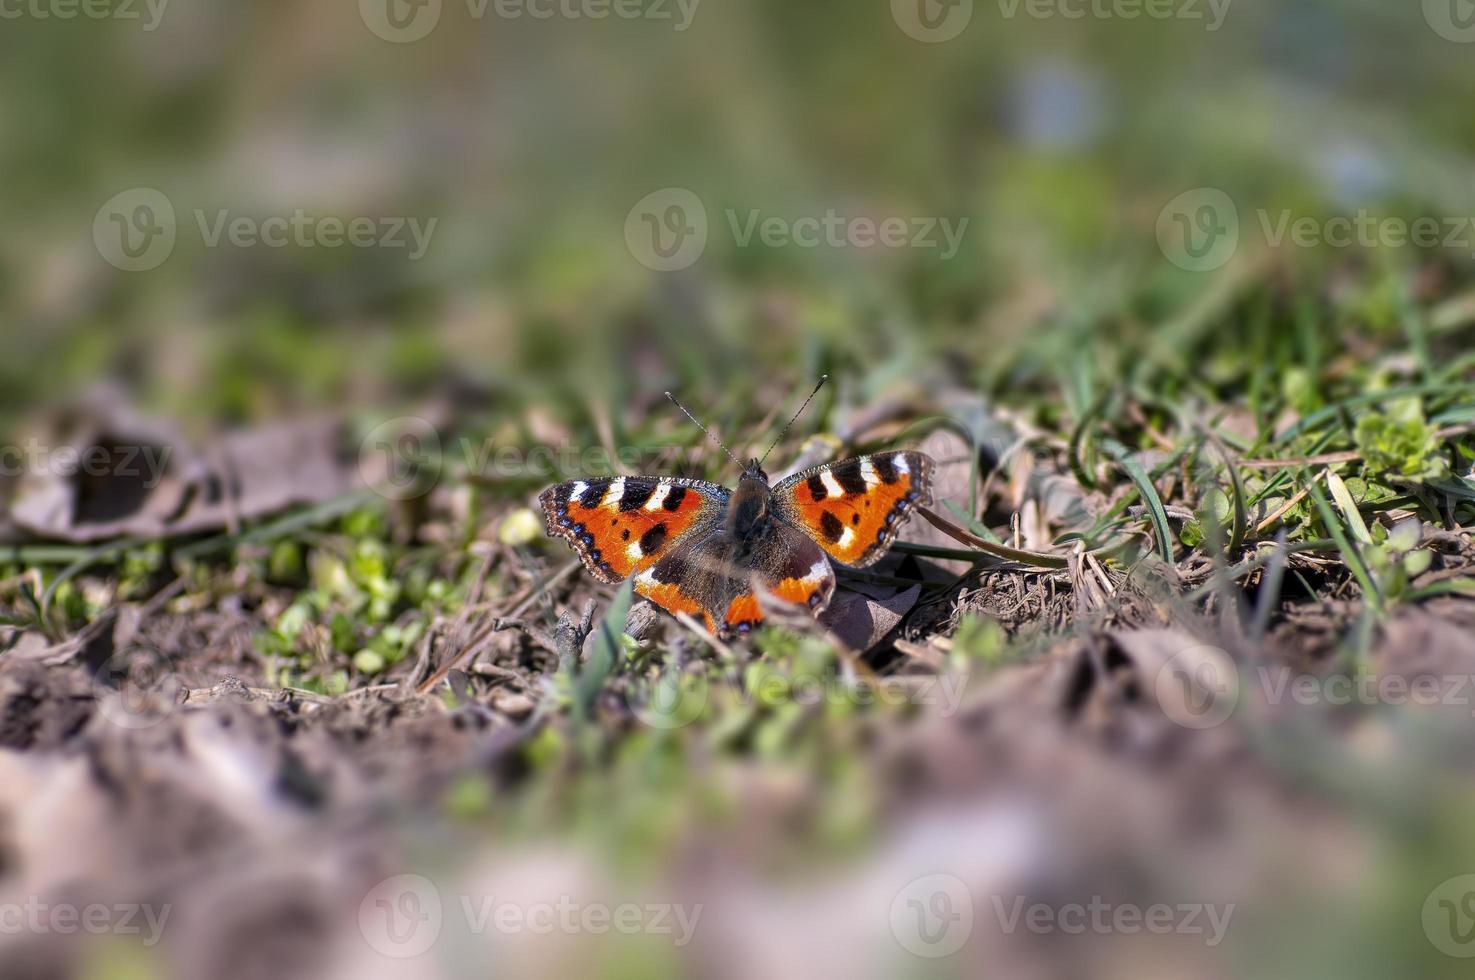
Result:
<point x="747" y="510"/>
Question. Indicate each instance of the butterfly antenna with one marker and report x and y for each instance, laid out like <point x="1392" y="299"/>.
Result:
<point x="822" y="379"/>
<point x="704" y="429"/>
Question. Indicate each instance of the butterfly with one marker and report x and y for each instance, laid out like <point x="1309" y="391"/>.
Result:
<point x="700" y="548"/>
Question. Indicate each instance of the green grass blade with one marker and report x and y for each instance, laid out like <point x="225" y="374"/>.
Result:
<point x="606" y="652"/>
<point x="1149" y="495"/>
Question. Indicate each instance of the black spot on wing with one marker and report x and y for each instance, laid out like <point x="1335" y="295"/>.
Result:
<point x="817" y="488"/>
<point x="885" y="468"/>
<point x="637" y="494"/>
<point x="651" y="540"/>
<point x="674" y="497"/>
<point x="850" y="478"/>
<point x="830" y="527"/>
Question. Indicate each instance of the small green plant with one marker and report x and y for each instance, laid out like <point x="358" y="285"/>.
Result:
<point x="1400" y="443"/>
<point x="1395" y="558"/>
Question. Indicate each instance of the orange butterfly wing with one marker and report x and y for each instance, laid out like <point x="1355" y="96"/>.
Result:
<point x="621" y="525"/>
<point x="854" y="508"/>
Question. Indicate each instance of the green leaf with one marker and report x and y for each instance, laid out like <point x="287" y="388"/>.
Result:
<point x="1345" y="545"/>
<point x="607" y="650"/>
<point x="1455" y="487"/>
<point x="1078" y="437"/>
<point x="1348" y="507"/>
<point x="1239" y="527"/>
<point x="1416" y="563"/>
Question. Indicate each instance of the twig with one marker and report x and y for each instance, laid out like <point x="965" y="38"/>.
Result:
<point x="429" y="684"/>
<point x="685" y="620"/>
<point x="998" y="550"/>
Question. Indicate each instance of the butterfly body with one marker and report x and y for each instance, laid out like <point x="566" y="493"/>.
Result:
<point x="699" y="548"/>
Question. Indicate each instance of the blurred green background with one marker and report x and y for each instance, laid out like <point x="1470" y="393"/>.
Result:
<point x="528" y="142"/>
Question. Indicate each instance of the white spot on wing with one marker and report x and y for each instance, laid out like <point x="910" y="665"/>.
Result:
<point x="868" y="472"/>
<point x="658" y="499"/>
<point x="579" y="489"/>
<point x="616" y="491"/>
<point x="900" y="462"/>
<point x="845" y="538"/>
<point x="832" y="485"/>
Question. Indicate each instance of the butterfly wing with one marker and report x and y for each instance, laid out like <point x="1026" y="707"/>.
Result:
<point x="717" y="578"/>
<point x="853" y="509"/>
<point x="621" y="525"/>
